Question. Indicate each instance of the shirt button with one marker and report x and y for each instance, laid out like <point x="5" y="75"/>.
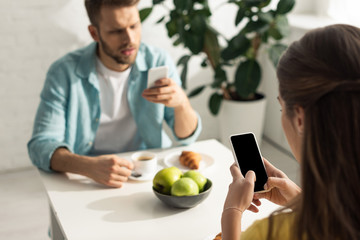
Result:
<point x="90" y="143"/>
<point x="96" y="120"/>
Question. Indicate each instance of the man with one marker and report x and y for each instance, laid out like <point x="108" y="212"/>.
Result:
<point x="95" y="102"/>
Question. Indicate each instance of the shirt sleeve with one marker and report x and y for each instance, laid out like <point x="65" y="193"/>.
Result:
<point x="49" y="125"/>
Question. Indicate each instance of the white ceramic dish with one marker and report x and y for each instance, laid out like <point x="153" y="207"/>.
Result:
<point x="172" y="159"/>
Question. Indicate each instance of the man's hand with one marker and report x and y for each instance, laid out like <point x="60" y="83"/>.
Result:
<point x="110" y="170"/>
<point x="166" y="92"/>
<point x="170" y="94"/>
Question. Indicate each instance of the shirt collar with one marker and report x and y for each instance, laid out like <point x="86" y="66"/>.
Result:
<point x="140" y="61"/>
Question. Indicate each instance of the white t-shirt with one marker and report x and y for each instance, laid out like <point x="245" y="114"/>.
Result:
<point x="117" y="131"/>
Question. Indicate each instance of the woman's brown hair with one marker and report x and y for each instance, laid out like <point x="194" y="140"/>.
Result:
<point x="321" y="73"/>
<point x="93" y="7"/>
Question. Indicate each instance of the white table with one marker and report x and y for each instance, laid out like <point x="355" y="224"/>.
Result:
<point x="83" y="209"/>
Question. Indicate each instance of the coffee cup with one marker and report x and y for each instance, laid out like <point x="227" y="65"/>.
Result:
<point x="145" y="163"/>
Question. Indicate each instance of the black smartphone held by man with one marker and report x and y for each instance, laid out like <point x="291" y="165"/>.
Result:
<point x="248" y="157"/>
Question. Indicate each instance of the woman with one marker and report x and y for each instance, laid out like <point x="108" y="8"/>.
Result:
<point x="319" y="94"/>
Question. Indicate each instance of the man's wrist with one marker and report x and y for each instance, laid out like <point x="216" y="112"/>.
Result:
<point x="65" y="161"/>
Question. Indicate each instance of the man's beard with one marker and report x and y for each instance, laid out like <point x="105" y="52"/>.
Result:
<point x="112" y="54"/>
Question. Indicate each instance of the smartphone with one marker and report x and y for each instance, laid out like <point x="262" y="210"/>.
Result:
<point x="248" y="157"/>
<point x="155" y="74"/>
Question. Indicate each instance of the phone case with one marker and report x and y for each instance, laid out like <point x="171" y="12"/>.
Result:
<point x="155" y="74"/>
<point x="246" y="150"/>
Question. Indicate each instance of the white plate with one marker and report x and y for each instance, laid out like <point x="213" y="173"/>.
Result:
<point x="172" y="159"/>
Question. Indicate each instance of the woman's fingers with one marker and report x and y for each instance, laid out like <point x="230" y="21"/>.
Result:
<point x="235" y="171"/>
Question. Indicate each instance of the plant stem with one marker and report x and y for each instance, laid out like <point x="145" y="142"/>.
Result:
<point x="255" y="43"/>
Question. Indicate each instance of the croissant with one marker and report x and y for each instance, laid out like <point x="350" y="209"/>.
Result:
<point x="218" y="237"/>
<point x="190" y="159"/>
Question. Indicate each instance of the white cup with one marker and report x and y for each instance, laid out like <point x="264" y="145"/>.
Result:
<point x="145" y="163"/>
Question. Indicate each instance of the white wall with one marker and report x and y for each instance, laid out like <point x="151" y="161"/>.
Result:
<point x="30" y="39"/>
<point x="34" y="33"/>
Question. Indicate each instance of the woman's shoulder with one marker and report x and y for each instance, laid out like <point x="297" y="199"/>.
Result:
<point x="280" y="224"/>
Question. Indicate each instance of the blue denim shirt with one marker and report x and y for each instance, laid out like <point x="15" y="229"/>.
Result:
<point x="69" y="111"/>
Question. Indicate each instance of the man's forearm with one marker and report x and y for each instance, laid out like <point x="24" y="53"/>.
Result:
<point x="64" y="161"/>
<point x="185" y="120"/>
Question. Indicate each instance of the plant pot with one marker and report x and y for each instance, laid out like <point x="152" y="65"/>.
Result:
<point x="242" y="116"/>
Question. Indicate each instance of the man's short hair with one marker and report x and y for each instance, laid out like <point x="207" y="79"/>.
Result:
<point x="93" y="7"/>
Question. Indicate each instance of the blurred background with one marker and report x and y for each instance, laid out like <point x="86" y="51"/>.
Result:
<point x="34" y="33"/>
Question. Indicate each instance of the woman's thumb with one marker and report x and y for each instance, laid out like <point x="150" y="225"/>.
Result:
<point x="273" y="182"/>
<point x="250" y="176"/>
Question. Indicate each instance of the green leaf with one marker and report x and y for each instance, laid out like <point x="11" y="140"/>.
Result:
<point x="266" y="17"/>
<point x="196" y="91"/>
<point x="183" y="76"/>
<point x="219" y="77"/>
<point x="274" y="33"/>
<point x="171" y="28"/>
<point x="161" y="19"/>
<point x="264" y="3"/>
<point x="194" y="42"/>
<point x="236" y="47"/>
<point x="157" y="1"/>
<point x="275" y="53"/>
<point x="198" y="24"/>
<point x="247" y="78"/>
<point x="212" y="47"/>
<point x="144" y="13"/>
<point x="204" y="12"/>
<point x="220" y="73"/>
<point x="177" y="42"/>
<point x="215" y="103"/>
<point x="240" y="16"/>
<point x="282" y="25"/>
<point x="240" y="42"/>
<point x="285" y="6"/>
<point x="183" y="4"/>
<point x="256" y="26"/>
<point x="183" y="60"/>
<point x="254" y="3"/>
<point x="265" y="37"/>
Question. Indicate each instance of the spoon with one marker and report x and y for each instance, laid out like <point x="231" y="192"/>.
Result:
<point x="135" y="174"/>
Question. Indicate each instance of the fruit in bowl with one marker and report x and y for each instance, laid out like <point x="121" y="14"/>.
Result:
<point x="185" y="186"/>
<point x="165" y="178"/>
<point x="197" y="177"/>
<point x="190" y="189"/>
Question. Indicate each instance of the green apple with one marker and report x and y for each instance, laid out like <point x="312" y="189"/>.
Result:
<point x="197" y="177"/>
<point x="165" y="178"/>
<point x="184" y="187"/>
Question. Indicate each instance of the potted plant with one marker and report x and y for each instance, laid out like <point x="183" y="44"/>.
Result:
<point x="189" y="24"/>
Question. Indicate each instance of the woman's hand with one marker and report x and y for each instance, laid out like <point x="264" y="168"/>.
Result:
<point x="281" y="188"/>
<point x="241" y="190"/>
<point x="238" y="199"/>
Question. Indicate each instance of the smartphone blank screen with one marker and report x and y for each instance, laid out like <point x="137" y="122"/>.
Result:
<point x="249" y="158"/>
